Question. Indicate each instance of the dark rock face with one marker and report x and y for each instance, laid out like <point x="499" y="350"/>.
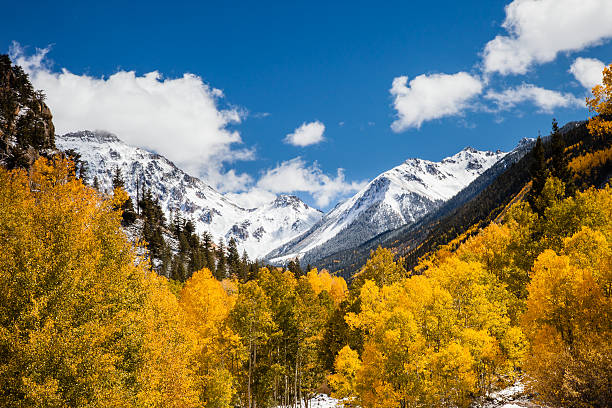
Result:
<point x="240" y="231"/>
<point x="26" y="126"/>
<point x="474" y="165"/>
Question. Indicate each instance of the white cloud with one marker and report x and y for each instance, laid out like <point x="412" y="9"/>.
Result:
<point x="307" y="134"/>
<point x="252" y="198"/>
<point x="296" y="175"/>
<point x="429" y="97"/>
<point x="545" y="99"/>
<point x="588" y="71"/>
<point x="180" y="118"/>
<point x="539" y="29"/>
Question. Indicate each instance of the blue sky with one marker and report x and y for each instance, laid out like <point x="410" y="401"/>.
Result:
<point x="283" y="64"/>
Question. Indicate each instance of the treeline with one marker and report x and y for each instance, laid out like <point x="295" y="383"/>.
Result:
<point x="586" y="152"/>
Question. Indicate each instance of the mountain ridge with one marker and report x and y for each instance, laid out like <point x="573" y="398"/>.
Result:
<point x="256" y="230"/>
<point x="396" y="197"/>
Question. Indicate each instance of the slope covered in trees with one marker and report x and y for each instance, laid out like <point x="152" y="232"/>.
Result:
<point x="450" y="222"/>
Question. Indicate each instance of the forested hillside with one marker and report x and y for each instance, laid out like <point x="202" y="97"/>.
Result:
<point x="459" y="216"/>
<point x="85" y="320"/>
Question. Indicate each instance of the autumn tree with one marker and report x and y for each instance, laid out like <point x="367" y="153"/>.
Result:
<point x="601" y="104"/>
<point x="207" y="304"/>
<point x="346" y="366"/>
<point x="381" y="267"/>
<point x="252" y="320"/>
<point x="83" y="322"/>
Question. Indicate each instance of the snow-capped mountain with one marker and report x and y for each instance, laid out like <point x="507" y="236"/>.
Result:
<point x="257" y="230"/>
<point x="397" y="197"/>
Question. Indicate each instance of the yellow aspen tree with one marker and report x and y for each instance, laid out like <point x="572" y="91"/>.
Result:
<point x="207" y="305"/>
<point x="342" y="382"/>
<point x="76" y="302"/>
<point x="601" y="103"/>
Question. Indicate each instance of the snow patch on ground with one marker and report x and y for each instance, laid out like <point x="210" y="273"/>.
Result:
<point x="323" y="401"/>
<point x="514" y="396"/>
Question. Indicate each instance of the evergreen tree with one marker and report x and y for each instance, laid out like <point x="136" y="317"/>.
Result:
<point x="154" y="223"/>
<point x="233" y="258"/>
<point x="221" y="267"/>
<point x="209" y="255"/>
<point x="559" y="161"/>
<point x="80" y="166"/>
<point x="118" y="178"/>
<point x="26" y="129"/>
<point x="539" y="174"/>
<point x="96" y="183"/>
<point x="295" y="268"/>
<point x="83" y="172"/>
<point x="244" y="266"/>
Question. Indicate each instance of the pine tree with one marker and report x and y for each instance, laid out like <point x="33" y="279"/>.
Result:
<point x="221" y="267"/>
<point x="233" y="258"/>
<point x="96" y="183"/>
<point x="118" y="178"/>
<point x="295" y="268"/>
<point x="539" y="174"/>
<point x="559" y="161"/>
<point x="244" y="266"/>
<point x="209" y="256"/>
<point x="154" y="223"/>
<point x="26" y="128"/>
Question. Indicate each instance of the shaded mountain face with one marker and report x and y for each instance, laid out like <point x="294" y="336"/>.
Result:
<point x="398" y="197"/>
<point x="26" y="125"/>
<point x="257" y="230"/>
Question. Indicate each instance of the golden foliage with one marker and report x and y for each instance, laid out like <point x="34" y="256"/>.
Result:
<point x="380" y="268"/>
<point x="82" y="321"/>
<point x="346" y="366"/>
<point x="601" y="103"/>
<point x="568" y="322"/>
<point x="434" y="339"/>
<point x="207" y="304"/>
<point x="323" y="281"/>
<point x="588" y="161"/>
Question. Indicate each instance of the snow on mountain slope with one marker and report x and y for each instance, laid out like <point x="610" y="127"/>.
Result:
<point x="397" y="197"/>
<point x="257" y="230"/>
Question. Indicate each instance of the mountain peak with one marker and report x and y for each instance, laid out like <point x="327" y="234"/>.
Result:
<point x="96" y="136"/>
<point x="288" y="200"/>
